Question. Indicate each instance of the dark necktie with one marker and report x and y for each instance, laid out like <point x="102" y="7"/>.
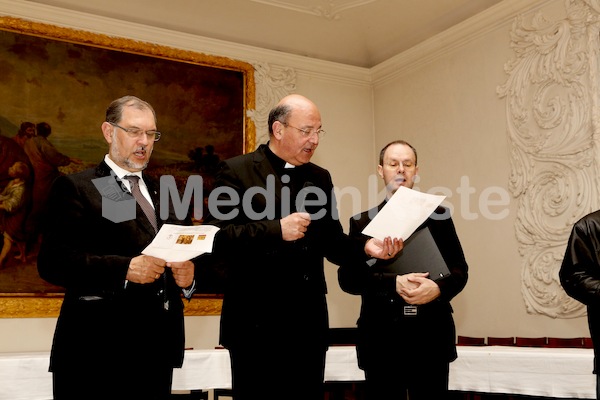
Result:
<point x="151" y="215"/>
<point x="142" y="201"/>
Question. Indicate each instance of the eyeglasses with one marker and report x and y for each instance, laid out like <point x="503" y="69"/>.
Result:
<point x="408" y="164"/>
<point x="136" y="133"/>
<point x="307" y="132"/>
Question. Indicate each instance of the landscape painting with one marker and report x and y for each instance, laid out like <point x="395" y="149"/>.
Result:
<point x="57" y="83"/>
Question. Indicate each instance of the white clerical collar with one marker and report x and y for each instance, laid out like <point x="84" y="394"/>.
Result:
<point x="288" y="165"/>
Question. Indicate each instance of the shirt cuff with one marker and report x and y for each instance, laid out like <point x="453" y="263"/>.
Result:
<point x="189" y="291"/>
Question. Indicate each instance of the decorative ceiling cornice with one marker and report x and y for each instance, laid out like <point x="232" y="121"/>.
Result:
<point x="328" y="9"/>
<point x="451" y="39"/>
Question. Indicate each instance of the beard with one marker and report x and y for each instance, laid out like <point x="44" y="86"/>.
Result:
<point x="123" y="160"/>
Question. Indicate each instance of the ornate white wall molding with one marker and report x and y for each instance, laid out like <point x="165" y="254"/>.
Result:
<point x="271" y="85"/>
<point x="552" y="109"/>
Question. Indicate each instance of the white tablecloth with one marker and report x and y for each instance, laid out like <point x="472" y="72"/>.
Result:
<point x="25" y="376"/>
<point x="492" y="369"/>
<point x="210" y="369"/>
<point x="561" y="373"/>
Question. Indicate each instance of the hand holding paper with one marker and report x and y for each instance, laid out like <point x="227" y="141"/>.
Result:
<point x="183" y="272"/>
<point x="404" y="212"/>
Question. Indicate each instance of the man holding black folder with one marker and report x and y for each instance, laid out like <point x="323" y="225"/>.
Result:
<point x="406" y="333"/>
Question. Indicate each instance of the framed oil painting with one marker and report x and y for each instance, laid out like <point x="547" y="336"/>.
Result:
<point x="60" y="81"/>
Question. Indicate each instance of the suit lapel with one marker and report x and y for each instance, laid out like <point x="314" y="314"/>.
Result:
<point x="264" y="168"/>
<point x="103" y="170"/>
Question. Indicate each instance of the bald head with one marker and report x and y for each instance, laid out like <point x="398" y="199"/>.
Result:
<point x="287" y="121"/>
<point x="284" y="108"/>
<point x="297" y="101"/>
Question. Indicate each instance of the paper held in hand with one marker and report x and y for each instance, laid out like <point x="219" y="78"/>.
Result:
<point x="404" y="212"/>
<point x="181" y="242"/>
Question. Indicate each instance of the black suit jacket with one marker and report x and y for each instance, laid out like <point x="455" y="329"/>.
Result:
<point x="580" y="273"/>
<point x="382" y="323"/>
<point x="276" y="290"/>
<point x="103" y="321"/>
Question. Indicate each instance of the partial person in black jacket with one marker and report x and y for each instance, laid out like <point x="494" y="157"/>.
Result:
<point x="120" y="331"/>
<point x="274" y="319"/>
<point x="406" y="333"/>
<point x="580" y="275"/>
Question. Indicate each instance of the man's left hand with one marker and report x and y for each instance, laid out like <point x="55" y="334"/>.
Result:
<point x="183" y="272"/>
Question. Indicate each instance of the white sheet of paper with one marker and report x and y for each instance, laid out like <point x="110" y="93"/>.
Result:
<point x="404" y="212"/>
<point x="181" y="243"/>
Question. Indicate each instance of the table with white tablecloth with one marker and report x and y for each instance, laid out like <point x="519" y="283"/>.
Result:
<point x="561" y="373"/>
<point x="210" y="369"/>
<point x="25" y="376"/>
<point x="534" y="371"/>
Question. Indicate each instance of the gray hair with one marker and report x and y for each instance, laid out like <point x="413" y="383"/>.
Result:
<point x="114" y="112"/>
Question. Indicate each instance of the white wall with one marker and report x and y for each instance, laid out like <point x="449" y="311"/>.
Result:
<point x="446" y="107"/>
<point x="449" y="110"/>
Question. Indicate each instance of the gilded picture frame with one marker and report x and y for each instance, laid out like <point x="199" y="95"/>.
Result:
<point x="204" y="78"/>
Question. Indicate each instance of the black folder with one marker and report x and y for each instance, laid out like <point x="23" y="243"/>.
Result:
<point x="420" y="254"/>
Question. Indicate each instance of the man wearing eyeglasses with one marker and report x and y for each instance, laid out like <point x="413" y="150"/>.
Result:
<point x="406" y="333"/>
<point x="274" y="319"/>
<point x="120" y="329"/>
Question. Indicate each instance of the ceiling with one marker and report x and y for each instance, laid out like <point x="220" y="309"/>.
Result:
<point x="360" y="33"/>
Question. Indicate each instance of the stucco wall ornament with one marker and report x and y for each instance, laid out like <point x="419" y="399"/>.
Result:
<point x="552" y="108"/>
<point x="272" y="84"/>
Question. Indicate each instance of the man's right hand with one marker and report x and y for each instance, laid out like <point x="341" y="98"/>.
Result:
<point x="294" y="226"/>
<point x="145" y="269"/>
